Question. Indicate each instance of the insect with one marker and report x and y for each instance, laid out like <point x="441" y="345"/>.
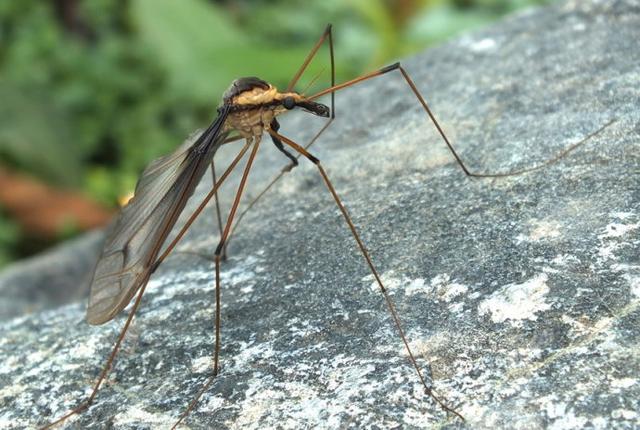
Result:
<point x="135" y="245"/>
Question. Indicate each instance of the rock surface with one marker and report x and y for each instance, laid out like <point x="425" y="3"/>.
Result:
<point x="56" y="277"/>
<point x="519" y="295"/>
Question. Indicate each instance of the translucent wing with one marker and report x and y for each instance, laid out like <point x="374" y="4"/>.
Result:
<point x="136" y="237"/>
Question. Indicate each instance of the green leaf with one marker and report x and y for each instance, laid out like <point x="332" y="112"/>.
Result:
<point x="34" y="136"/>
<point x="204" y="51"/>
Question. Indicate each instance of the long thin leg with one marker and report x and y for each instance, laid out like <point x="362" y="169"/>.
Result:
<point x="275" y="179"/>
<point x="367" y="257"/>
<point x="232" y="139"/>
<point x="105" y="370"/>
<point x="326" y="35"/>
<point x="218" y="253"/>
<point x="215" y="194"/>
<point x="414" y="89"/>
<point x="217" y="201"/>
<point x="199" y="209"/>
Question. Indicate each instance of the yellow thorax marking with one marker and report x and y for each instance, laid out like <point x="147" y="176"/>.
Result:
<point x="258" y="96"/>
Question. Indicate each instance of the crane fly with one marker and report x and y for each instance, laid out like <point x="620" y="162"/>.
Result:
<point x="249" y="110"/>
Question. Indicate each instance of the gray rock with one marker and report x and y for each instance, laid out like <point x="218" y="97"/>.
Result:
<point x="58" y="276"/>
<point x="519" y="295"/>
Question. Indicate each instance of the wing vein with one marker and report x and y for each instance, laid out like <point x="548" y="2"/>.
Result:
<point x="141" y="228"/>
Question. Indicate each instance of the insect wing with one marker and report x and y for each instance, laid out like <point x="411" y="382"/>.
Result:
<point x="134" y="240"/>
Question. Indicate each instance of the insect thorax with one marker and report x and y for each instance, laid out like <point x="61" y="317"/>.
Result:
<point x="254" y="103"/>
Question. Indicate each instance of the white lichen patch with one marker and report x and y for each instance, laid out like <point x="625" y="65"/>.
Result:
<point x="487" y="44"/>
<point x="87" y="348"/>
<point x="446" y="289"/>
<point x="634" y="283"/>
<point x="212" y="404"/>
<point x="135" y="415"/>
<point x="168" y="285"/>
<point x="237" y="274"/>
<point x="578" y="327"/>
<point x="323" y="400"/>
<point x="309" y="409"/>
<point x="623" y="383"/>
<point x="36" y="357"/>
<point x="393" y="282"/>
<point x="257" y="404"/>
<point x="456" y="308"/>
<point x="347" y="378"/>
<point x="569" y="420"/>
<point x="517" y="302"/>
<point x="12" y="390"/>
<point x="540" y="230"/>
<point x="620" y="233"/>
<point x="617" y="229"/>
<point x="624" y="414"/>
<point x="560" y="414"/>
<point x="202" y="364"/>
<point x="442" y="285"/>
<point x="249" y="353"/>
<point x="242" y="271"/>
<point x="247" y="290"/>
<point x="631" y="273"/>
<point x="425" y="347"/>
<point x="415" y="286"/>
<point x="162" y="313"/>
<point x="559" y="264"/>
<point x="564" y="260"/>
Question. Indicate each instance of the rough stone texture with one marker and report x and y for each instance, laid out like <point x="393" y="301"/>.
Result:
<point x="521" y="294"/>
<point x="56" y="277"/>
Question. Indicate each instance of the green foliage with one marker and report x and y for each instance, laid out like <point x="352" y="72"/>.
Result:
<point x="35" y="135"/>
<point x="87" y="101"/>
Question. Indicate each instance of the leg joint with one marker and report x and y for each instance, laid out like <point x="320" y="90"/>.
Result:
<point x="313" y="159"/>
<point x="155" y="266"/>
<point x="390" y="68"/>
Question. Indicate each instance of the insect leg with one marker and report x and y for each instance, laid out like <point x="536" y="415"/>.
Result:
<point x="217" y="201"/>
<point x="367" y="257"/>
<point x="551" y="160"/>
<point x="103" y="374"/>
<point x="275" y="125"/>
<point x="425" y="106"/>
<point x="199" y="209"/>
<point x="326" y="35"/>
<point x="273" y="182"/>
<point x="218" y="254"/>
<point x="105" y="370"/>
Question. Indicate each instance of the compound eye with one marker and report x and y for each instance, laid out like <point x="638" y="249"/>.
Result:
<point x="288" y="103"/>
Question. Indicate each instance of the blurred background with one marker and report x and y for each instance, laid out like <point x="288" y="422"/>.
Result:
<point x="91" y="91"/>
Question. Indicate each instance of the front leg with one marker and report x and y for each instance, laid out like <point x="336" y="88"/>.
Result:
<point x="275" y="126"/>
